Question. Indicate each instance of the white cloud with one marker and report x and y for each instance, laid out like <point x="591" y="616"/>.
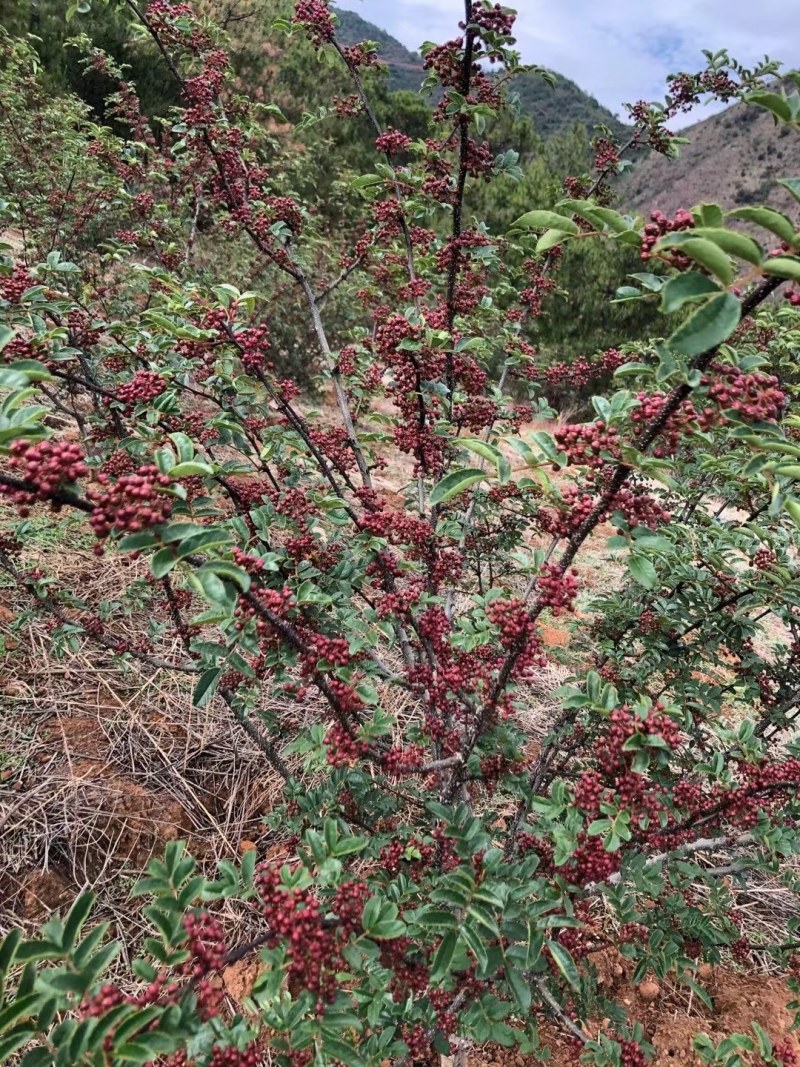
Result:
<point x="617" y="50"/>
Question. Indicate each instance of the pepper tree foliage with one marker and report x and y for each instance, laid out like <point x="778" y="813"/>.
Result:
<point x="450" y="878"/>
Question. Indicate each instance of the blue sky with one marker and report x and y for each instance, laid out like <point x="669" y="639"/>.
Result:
<point x="617" y="50"/>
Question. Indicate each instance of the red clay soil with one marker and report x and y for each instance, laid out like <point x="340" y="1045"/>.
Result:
<point x="671" y="1020"/>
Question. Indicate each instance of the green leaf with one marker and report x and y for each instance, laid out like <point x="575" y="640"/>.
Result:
<point x="565" y="963"/>
<point x="78" y="914"/>
<point x="520" y="988"/>
<point x="190" y="470"/>
<point x="783" y="267"/>
<point x="336" y="1049"/>
<point x="704" y="252"/>
<point x="685" y="288"/>
<point x="708" y="327"/>
<point x="454" y="483"/>
<point x="735" y="244"/>
<point x="6" y="333"/>
<point x="206" y="687"/>
<point x="163" y="562"/>
<point x="792" y="508"/>
<point x="550" y="239"/>
<point x="231" y="572"/>
<point x="444" y="956"/>
<point x="643" y="571"/>
<point x="774" y="221"/>
<point x="546" y="220"/>
<point x="490" y="453"/>
<point x="778" y="105"/>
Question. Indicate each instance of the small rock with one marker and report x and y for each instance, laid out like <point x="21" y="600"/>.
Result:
<point x="649" y="991"/>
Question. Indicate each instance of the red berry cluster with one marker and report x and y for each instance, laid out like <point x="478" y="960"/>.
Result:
<point x="411" y="975"/>
<point x="392" y="142"/>
<point x="315" y="18"/>
<point x="342" y="749"/>
<point x="606" y="154"/>
<point x="658" y="227"/>
<point x="631" y="1054"/>
<point x="557" y="589"/>
<point x="134" y="502"/>
<point x="786" y="1053"/>
<point x="518" y="632"/>
<point x="12" y="288"/>
<point x="143" y="387"/>
<point x="206" y="944"/>
<point x="764" y="559"/>
<point x="753" y="396"/>
<point x="313" y="946"/>
<point x="399" y="760"/>
<point x="47" y="466"/>
<point x="583" y="444"/>
<point x="231" y="1056"/>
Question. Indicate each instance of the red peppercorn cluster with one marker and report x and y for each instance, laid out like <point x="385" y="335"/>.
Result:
<point x="46" y="466"/>
<point x="342" y="750"/>
<point x="315" y="18"/>
<point x="785" y="1052"/>
<point x="399" y="760"/>
<point x="295" y="918"/>
<point x="754" y="396"/>
<point x="518" y="632"/>
<point x="658" y="227"/>
<point x="392" y="142"/>
<point x="584" y="443"/>
<point x="134" y="502"/>
<point x="143" y="387"/>
<point x="631" y="1054"/>
<point x="764" y="559"/>
<point x="278" y="602"/>
<point x="411" y="975"/>
<point x="606" y="154"/>
<point x="557" y="589"/>
<point x="231" y="1056"/>
<point x="13" y="286"/>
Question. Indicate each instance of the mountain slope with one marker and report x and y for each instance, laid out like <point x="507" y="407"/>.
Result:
<point x="551" y="110"/>
<point x="554" y="110"/>
<point x="736" y="157"/>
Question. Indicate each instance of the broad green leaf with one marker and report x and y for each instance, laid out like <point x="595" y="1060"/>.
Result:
<point x="565" y="963"/>
<point x="550" y="239"/>
<point x="454" y="483"/>
<point x="778" y="105"/>
<point x="793" y="185"/>
<point x="519" y="987"/>
<point x="490" y="453"/>
<point x="686" y="288"/>
<point x="769" y="219"/>
<point x="231" y="572"/>
<point x="702" y="251"/>
<point x="643" y="571"/>
<point x="444" y="956"/>
<point x="206" y="687"/>
<point x="709" y="326"/>
<point x="78" y="914"/>
<point x="735" y="244"/>
<point x="163" y="562"/>
<point x="190" y="470"/>
<point x="546" y="220"/>
<point x="783" y="267"/>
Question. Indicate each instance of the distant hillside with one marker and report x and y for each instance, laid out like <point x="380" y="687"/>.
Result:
<point x="735" y="157"/>
<point x="555" y="110"/>
<point x="552" y="110"/>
